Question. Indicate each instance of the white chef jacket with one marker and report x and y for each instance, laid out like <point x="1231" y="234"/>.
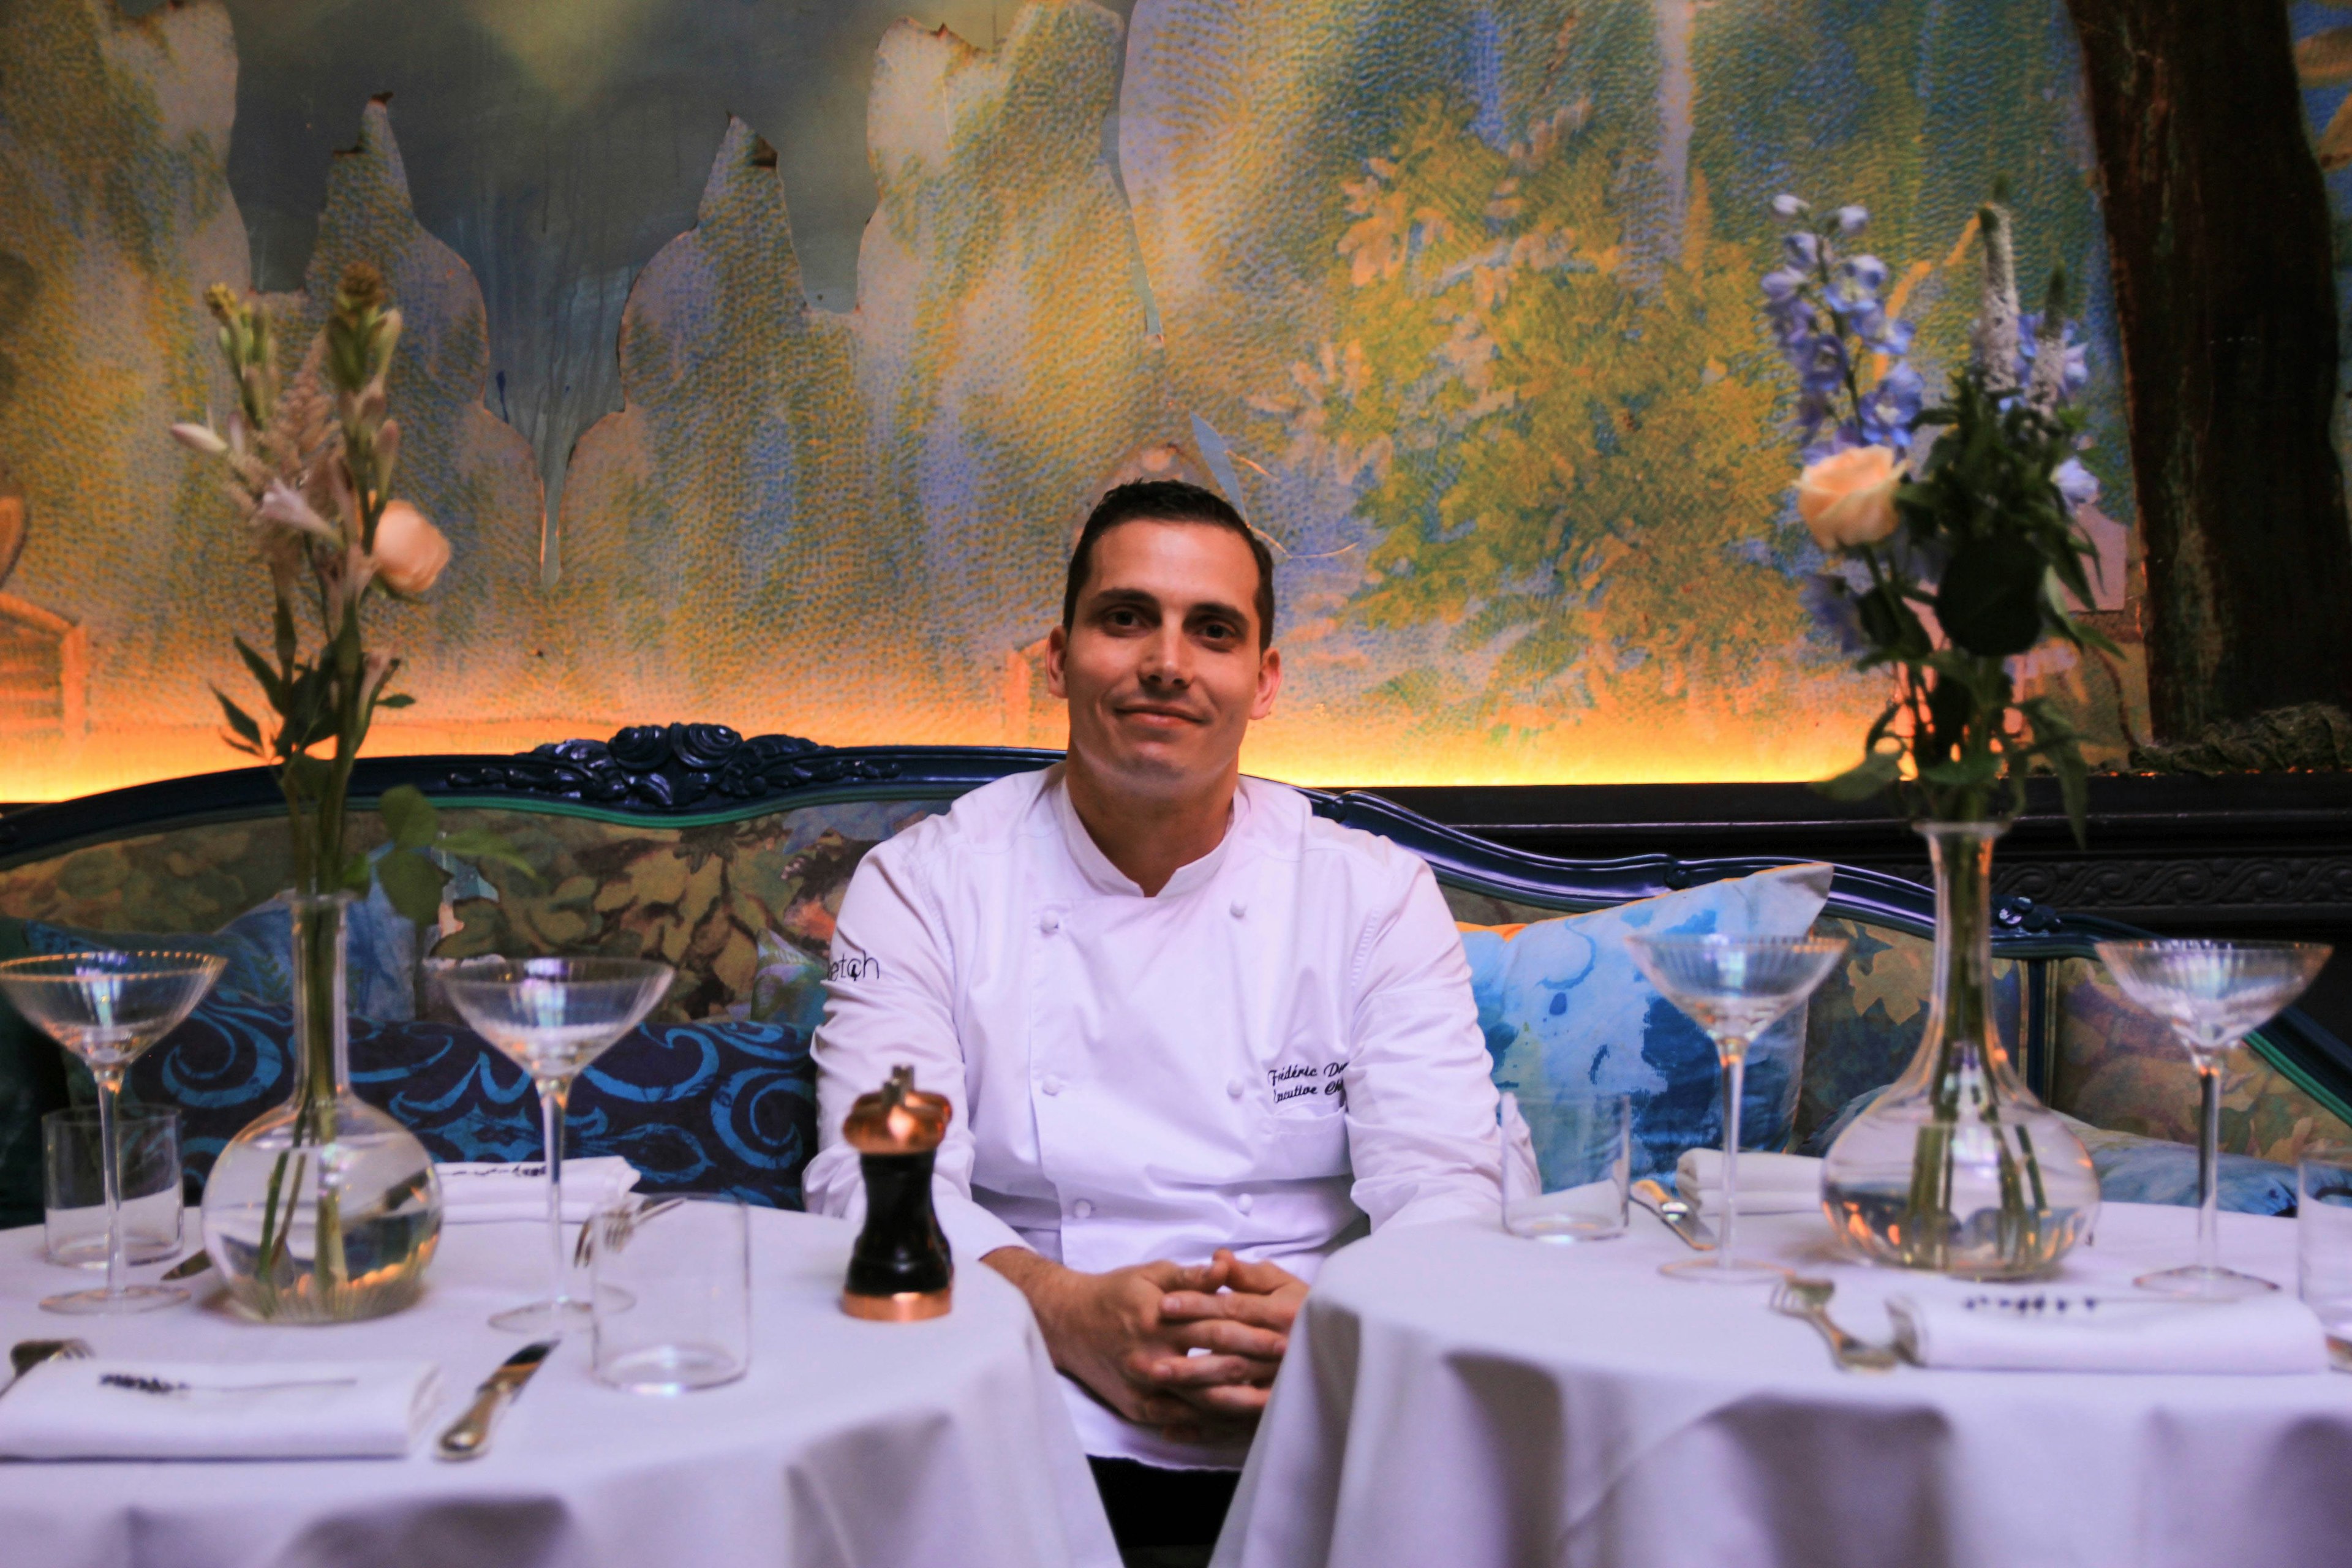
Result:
<point x="1278" y="1048"/>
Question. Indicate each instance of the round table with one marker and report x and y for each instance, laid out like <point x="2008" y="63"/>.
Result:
<point x="1468" y="1398"/>
<point x="846" y="1443"/>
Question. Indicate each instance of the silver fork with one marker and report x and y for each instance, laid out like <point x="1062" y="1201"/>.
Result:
<point x="620" y="1224"/>
<point x="1798" y="1297"/>
<point x="27" y="1355"/>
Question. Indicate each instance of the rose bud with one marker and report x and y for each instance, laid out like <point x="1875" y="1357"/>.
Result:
<point x="409" y="551"/>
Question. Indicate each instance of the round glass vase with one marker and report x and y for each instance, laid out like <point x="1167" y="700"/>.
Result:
<point x="325" y="1210"/>
<point x="1957" y="1167"/>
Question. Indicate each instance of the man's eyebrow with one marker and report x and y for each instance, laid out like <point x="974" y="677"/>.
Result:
<point x="1104" y="598"/>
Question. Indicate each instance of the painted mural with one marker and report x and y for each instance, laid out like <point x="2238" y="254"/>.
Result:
<point x="1457" y="299"/>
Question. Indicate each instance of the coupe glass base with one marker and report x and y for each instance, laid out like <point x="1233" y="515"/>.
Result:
<point x="1711" y="1271"/>
<point x="2196" y="1283"/>
<point x="115" y="1303"/>
<point x="561" y="1316"/>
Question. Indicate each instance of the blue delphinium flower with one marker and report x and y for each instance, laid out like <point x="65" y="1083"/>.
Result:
<point x="1829" y="599"/>
<point x="1828" y="311"/>
<point x="2076" y="483"/>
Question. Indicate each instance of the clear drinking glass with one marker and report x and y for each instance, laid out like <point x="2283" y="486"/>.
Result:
<point x="1584" y="1163"/>
<point x="2213" y="994"/>
<point x="1735" y="988"/>
<point x="552" y="1017"/>
<point x="106" y="1008"/>
<point x="684" y="1264"/>
<point x="73" y="1184"/>
<point x="2323" y="1239"/>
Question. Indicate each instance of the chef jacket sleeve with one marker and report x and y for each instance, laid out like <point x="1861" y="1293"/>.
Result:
<point x="1422" y="1137"/>
<point x="889" y="998"/>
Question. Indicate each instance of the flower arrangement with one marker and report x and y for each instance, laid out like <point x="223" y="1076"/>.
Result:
<point x="309" y="465"/>
<point x="1950" y="531"/>
<point x="1952" y="540"/>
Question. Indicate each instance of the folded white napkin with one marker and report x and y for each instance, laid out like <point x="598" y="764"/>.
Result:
<point x="473" y="1192"/>
<point x="1768" y="1183"/>
<point x="217" y="1410"/>
<point x="2029" y="1329"/>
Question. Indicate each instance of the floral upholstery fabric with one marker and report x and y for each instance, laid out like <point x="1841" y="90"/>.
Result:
<point x="1566" y="1012"/>
<point x="744" y="910"/>
<point x="2119" y="1067"/>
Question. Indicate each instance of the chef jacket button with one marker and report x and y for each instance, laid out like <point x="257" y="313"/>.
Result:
<point x="1050" y="1085"/>
<point x="1245" y="1202"/>
<point x="1239" y="908"/>
<point x="1233" y="1087"/>
<point x="1082" y="1208"/>
<point x="1049" y="922"/>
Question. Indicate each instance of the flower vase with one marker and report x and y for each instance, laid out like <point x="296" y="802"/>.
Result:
<point x="325" y="1210"/>
<point x="1957" y="1167"/>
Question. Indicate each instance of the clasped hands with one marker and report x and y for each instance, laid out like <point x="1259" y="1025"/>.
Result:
<point x="1189" y="1350"/>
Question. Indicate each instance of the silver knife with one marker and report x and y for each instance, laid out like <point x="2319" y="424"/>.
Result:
<point x="468" y="1437"/>
<point x="1680" y="1217"/>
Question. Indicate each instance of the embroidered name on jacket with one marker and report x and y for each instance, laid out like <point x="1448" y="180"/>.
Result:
<point x="1298" y="1081"/>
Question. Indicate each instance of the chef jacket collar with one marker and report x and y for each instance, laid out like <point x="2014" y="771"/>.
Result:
<point x="1096" y="866"/>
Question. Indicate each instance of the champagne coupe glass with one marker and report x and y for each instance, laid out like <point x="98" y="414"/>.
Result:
<point x="554" y="1016"/>
<point x="106" y="1008"/>
<point x="2213" y="994"/>
<point x="1735" y="988"/>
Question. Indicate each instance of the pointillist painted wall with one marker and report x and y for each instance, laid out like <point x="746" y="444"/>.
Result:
<point x="763" y="357"/>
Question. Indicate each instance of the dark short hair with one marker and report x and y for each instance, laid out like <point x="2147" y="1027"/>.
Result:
<point x="1166" y="500"/>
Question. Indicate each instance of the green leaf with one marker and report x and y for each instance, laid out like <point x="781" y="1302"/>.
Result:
<point x="413" y="882"/>
<point x="396" y="699"/>
<point x="1965" y="773"/>
<point x="410" y="818"/>
<point x="2057" y="743"/>
<point x="282" y="632"/>
<point x="1869" y="777"/>
<point x="239" y="720"/>
<point x="478" y="843"/>
<point x="1991" y="597"/>
<point x="272" y="685"/>
<point x="355" y="874"/>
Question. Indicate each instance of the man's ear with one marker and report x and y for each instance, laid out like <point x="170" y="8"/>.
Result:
<point x="1057" y="650"/>
<point x="1269" y="682"/>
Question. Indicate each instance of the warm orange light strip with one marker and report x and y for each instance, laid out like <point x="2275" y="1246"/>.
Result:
<point x="1307" y="749"/>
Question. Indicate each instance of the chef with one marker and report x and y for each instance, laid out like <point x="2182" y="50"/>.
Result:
<point x="1196" y="1037"/>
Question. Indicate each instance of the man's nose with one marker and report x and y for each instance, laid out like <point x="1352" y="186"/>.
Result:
<point x="1167" y="658"/>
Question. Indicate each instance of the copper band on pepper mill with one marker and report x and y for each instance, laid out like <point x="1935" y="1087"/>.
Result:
<point x="901" y="1270"/>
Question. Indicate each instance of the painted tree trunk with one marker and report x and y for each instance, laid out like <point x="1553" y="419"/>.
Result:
<point x="2219" y="236"/>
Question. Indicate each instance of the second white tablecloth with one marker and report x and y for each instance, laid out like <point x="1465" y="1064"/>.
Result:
<point x="1469" y="1398"/>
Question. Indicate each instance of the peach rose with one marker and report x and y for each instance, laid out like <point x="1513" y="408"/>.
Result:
<point x="409" y="551"/>
<point x="1848" y="498"/>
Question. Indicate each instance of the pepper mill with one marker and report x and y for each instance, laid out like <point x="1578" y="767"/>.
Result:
<point x="900" y="1271"/>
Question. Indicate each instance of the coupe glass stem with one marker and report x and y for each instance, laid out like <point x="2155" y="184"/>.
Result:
<point x="109" y="1159"/>
<point x="2208" y="1166"/>
<point x="554" y="1096"/>
<point x="1733" y="1054"/>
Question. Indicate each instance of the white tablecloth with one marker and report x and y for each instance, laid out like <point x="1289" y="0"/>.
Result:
<point x="1471" y="1399"/>
<point x="847" y="1443"/>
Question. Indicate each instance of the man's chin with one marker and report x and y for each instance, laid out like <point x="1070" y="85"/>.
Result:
<point x="1155" y="764"/>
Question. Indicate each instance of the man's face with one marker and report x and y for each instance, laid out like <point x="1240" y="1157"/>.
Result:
<point x="1162" y="666"/>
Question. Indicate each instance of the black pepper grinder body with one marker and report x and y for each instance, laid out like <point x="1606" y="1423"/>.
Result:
<point x="900" y="1270"/>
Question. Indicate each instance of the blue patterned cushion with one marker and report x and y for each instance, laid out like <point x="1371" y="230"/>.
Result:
<point x="1566" y="1012"/>
<point x="726" y="1106"/>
